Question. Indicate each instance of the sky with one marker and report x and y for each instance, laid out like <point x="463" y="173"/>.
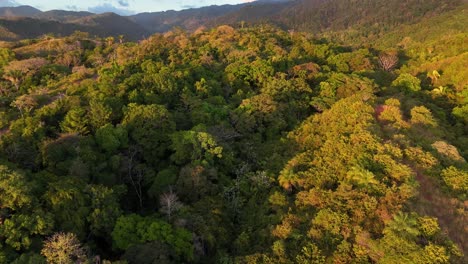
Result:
<point x="123" y="7"/>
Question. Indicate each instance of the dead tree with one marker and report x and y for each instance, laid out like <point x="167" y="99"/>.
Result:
<point x="388" y="60"/>
<point x="135" y="174"/>
<point x="169" y="203"/>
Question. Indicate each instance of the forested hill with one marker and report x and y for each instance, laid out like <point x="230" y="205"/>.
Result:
<point x="269" y="132"/>
<point x="109" y="24"/>
<point x="367" y="18"/>
<point x="343" y="14"/>
<point x="237" y="144"/>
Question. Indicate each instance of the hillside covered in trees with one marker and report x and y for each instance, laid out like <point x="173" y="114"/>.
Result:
<point x="354" y="20"/>
<point x="240" y="144"/>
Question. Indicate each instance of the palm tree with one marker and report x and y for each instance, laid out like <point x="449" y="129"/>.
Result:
<point x="362" y="177"/>
<point x="404" y="225"/>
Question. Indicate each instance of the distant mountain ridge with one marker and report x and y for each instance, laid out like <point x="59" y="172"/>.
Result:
<point x="188" y="19"/>
<point x="19" y="11"/>
<point x="63" y="23"/>
<point x="368" y="16"/>
<point x="62" y="15"/>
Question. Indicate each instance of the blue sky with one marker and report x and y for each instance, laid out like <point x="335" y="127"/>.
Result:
<point x="118" y="6"/>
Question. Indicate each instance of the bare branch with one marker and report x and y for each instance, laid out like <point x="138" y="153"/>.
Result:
<point x="388" y="60"/>
<point x="169" y="203"/>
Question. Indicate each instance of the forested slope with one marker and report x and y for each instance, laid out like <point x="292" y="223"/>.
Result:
<point x="103" y="25"/>
<point x="350" y="21"/>
<point x="249" y="145"/>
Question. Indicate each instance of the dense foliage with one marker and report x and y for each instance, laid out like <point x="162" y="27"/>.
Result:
<point x="249" y="145"/>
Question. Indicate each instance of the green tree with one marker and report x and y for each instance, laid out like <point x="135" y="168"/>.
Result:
<point x="310" y="254"/>
<point x="149" y="126"/>
<point x="20" y="229"/>
<point x="422" y="115"/>
<point x="461" y="112"/>
<point x="69" y="205"/>
<point x="111" y="138"/>
<point x="105" y="209"/>
<point x="407" y="83"/>
<point x="21" y="217"/>
<point x="30" y="258"/>
<point x="6" y="55"/>
<point x="75" y="122"/>
<point x="99" y="113"/>
<point x="455" y="178"/>
<point x="15" y="191"/>
<point x="404" y="225"/>
<point x="134" y="229"/>
<point x="149" y="253"/>
<point x="196" y="147"/>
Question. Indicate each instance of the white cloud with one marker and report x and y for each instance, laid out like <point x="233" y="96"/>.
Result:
<point x="107" y="7"/>
<point x="4" y="3"/>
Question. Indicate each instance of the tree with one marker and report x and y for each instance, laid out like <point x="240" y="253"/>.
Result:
<point x="25" y="103"/>
<point x="429" y="226"/>
<point x="110" y="41"/>
<point x="194" y="182"/>
<point x="149" y="126"/>
<point x="362" y="178"/>
<point x="448" y="150"/>
<point x="388" y="60"/>
<point x="64" y="248"/>
<point x="125" y="232"/>
<point x="30" y="258"/>
<point x="99" y="113"/>
<point x="158" y="80"/>
<point x="15" y="77"/>
<point x="404" y="225"/>
<point x="6" y="55"/>
<point x="133" y="230"/>
<point x="20" y="217"/>
<point x="461" y="112"/>
<point x="20" y="228"/>
<point x="390" y="112"/>
<point x="169" y="203"/>
<point x="70" y="58"/>
<point x="456" y="179"/>
<point x="164" y="180"/>
<point x="111" y="138"/>
<point x="75" y="122"/>
<point x="69" y="205"/>
<point x="14" y="189"/>
<point x="422" y="115"/>
<point x="407" y="83"/>
<point x="150" y="253"/>
<point x="16" y="71"/>
<point x="105" y="209"/>
<point x="196" y="147"/>
<point x="310" y="254"/>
